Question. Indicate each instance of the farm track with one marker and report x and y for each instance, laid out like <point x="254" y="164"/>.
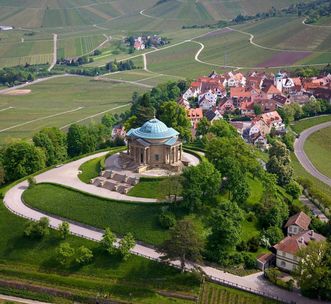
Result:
<point x="12" y="299"/>
<point x="54" y="52"/>
<point x="315" y="25"/>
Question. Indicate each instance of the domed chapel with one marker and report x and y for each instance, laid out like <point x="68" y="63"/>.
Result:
<point x="154" y="145"/>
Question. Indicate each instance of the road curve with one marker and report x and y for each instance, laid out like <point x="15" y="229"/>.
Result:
<point x="302" y="156"/>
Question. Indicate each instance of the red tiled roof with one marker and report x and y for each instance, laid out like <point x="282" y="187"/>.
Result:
<point x="272" y="90"/>
<point x="292" y="244"/>
<point x="195" y="113"/>
<point x="300" y="219"/>
<point x="239" y="92"/>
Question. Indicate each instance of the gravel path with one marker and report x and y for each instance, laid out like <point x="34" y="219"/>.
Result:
<point x="20" y="300"/>
<point x="303" y="158"/>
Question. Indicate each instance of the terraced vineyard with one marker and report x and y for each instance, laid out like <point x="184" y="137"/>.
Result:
<point x="216" y="294"/>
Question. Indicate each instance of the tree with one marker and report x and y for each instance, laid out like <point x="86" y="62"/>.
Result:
<point x="175" y="116"/>
<point x="257" y="109"/>
<point x="203" y="127"/>
<point x="64" y="230"/>
<point x="200" y="185"/>
<point x="37" y="229"/>
<point x="222" y="128"/>
<point x="84" y="255"/>
<point x="314" y="270"/>
<point x="108" y="120"/>
<point x="108" y="241"/>
<point x="80" y="140"/>
<point x="64" y="253"/>
<point x="280" y="163"/>
<point x="21" y="159"/>
<point x="125" y="245"/>
<point x="225" y="223"/>
<point x="273" y="235"/>
<point x="294" y="189"/>
<point x="54" y="143"/>
<point x="130" y="122"/>
<point x="184" y="243"/>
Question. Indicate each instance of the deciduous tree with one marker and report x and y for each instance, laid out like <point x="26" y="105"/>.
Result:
<point x="184" y="243"/>
<point x="125" y="245"/>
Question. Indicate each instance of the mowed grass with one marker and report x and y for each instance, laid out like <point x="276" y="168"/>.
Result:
<point x="318" y="149"/>
<point x="138" y="218"/>
<point x="34" y="262"/>
<point x="216" y="294"/>
<point x="149" y="189"/>
<point x="84" y="98"/>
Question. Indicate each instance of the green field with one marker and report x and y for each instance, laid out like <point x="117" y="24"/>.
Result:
<point x="71" y="99"/>
<point x="121" y="217"/>
<point x="318" y="148"/>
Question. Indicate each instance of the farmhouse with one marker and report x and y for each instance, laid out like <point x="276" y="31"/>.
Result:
<point x="297" y="223"/>
<point x="154" y="145"/>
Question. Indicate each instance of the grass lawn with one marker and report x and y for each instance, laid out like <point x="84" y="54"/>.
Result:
<point x="91" y="168"/>
<point x="149" y="189"/>
<point x="216" y="294"/>
<point x="318" y="149"/>
<point x="33" y="261"/>
<point x="138" y="218"/>
<point x="301" y="125"/>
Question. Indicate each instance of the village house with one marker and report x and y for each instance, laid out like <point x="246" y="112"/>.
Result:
<point x="213" y="115"/>
<point x="118" y="131"/>
<point x="195" y="115"/>
<point x="226" y="106"/>
<point x="297" y="223"/>
<point x="287" y="249"/>
<point x="281" y="100"/>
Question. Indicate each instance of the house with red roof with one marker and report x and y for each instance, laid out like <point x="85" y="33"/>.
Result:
<point x="195" y="115"/>
<point x="288" y="248"/>
<point x="297" y="223"/>
<point x="271" y="90"/>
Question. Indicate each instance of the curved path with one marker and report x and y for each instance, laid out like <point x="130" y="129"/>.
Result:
<point x="54" y="52"/>
<point x="67" y="174"/>
<point x="303" y="158"/>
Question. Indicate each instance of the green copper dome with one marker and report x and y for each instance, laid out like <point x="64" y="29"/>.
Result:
<point x="153" y="129"/>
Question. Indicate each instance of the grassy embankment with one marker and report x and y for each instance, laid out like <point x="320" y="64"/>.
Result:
<point x="299" y="171"/>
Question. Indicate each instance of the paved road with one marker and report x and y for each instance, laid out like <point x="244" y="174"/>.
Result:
<point x="314" y="209"/>
<point x="303" y="158"/>
<point x="20" y="300"/>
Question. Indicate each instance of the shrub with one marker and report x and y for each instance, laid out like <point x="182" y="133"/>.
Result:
<point x="249" y="261"/>
<point x="167" y="219"/>
<point x="84" y="255"/>
<point x="273" y="274"/>
<point x="253" y="244"/>
<point x="64" y="253"/>
<point x="251" y="217"/>
<point x="31" y="181"/>
<point x="37" y="229"/>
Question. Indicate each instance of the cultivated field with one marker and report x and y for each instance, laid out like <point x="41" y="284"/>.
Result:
<point x="82" y="25"/>
<point x="216" y="294"/>
<point x="59" y="102"/>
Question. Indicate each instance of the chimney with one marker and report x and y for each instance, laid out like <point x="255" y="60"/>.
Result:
<point x="302" y="240"/>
